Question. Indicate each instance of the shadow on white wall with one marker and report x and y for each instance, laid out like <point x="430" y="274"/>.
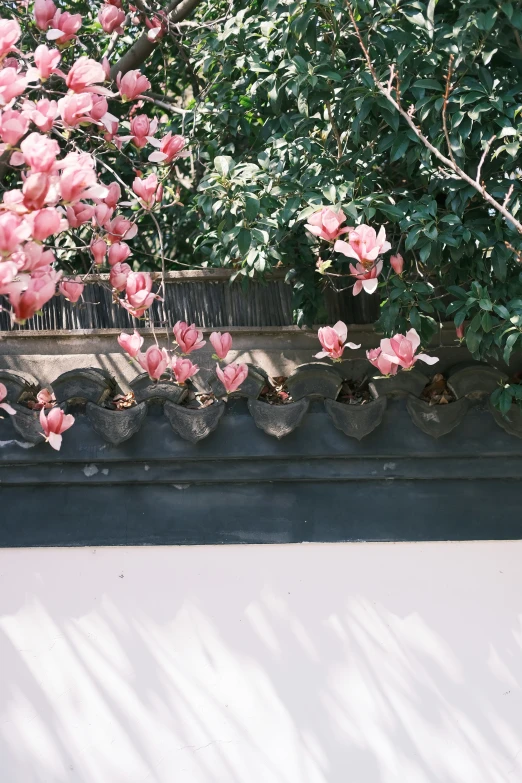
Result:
<point x="351" y="663"/>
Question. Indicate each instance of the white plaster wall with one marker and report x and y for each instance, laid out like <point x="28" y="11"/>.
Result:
<point x="350" y="663"/>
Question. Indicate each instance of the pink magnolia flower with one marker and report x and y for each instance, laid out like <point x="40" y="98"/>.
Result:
<point x="119" y="275"/>
<point x="8" y="272"/>
<point x="27" y="298"/>
<point x="79" y="213"/>
<point x="100" y="109"/>
<point x="12" y="84"/>
<point x="111" y="135"/>
<point x="189" y="338"/>
<point x="326" y="224"/>
<point x="460" y="331"/>
<point x="333" y="341"/>
<point x="75" y="109"/>
<point x="53" y="425"/>
<point x="232" y="376"/>
<point x="138" y="292"/>
<point x="222" y="343"/>
<point x="379" y="360"/>
<point x="131" y="343"/>
<point x="111" y="19"/>
<point x="78" y="182"/>
<point x="366" y="278"/>
<point x="141" y="129"/>
<point x="9" y="34"/>
<point x="46" y="222"/>
<point x="35" y="190"/>
<point x="102" y="214"/>
<point x="400" y="349"/>
<point x="113" y="195"/>
<point x="364" y="245"/>
<point x="84" y="74"/>
<point x="120" y="228"/>
<point x="71" y="289"/>
<point x="132" y="85"/>
<point x="99" y="251"/>
<point x="43" y="113"/>
<point x="170" y="148"/>
<point x="44" y="399"/>
<point x="33" y="257"/>
<point x="3" y="405"/>
<point x="157" y="27"/>
<point x="13" y="200"/>
<point x="13" y="231"/>
<point x="154" y="361"/>
<point x="183" y="369"/>
<point x="13" y="125"/>
<point x="44" y="11"/>
<point x="147" y="190"/>
<point x="64" y="27"/>
<point x="397" y="263"/>
<point x="118" y="252"/>
<point x="46" y="61"/>
<point x="40" y="152"/>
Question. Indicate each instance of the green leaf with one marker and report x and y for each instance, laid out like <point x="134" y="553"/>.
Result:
<point x="414" y="318"/>
<point x="251" y="207"/>
<point x="224" y="164"/>
<point x="501" y="311"/>
<point x="472" y="341"/>
<point x="458" y="291"/>
<point x="428" y="84"/>
<point x="485" y="304"/>
<point x="510" y="344"/>
<point x="487" y="322"/>
<point x="243" y="241"/>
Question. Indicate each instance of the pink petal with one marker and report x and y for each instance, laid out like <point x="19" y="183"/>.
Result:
<point x="353" y="346"/>
<point x="357" y="287"/>
<point x="342" y="330"/>
<point x="427" y="359"/>
<point x="413" y="339"/>
<point x="55" y="440"/>
<point x="346" y="249"/>
<point x="157" y="157"/>
<point x="370" y="286"/>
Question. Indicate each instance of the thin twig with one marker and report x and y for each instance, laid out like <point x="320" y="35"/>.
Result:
<point x="517" y="253"/>
<point x="417" y="131"/>
<point x="483" y="158"/>
<point x="508" y="195"/>
<point x="164" y="105"/>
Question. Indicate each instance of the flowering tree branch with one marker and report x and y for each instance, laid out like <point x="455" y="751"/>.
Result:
<point x="386" y="91"/>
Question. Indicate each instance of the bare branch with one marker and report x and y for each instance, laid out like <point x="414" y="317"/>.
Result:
<point x="483" y="158"/>
<point x="417" y="131"/>
<point x="508" y="195"/>
<point x="164" y="105"/>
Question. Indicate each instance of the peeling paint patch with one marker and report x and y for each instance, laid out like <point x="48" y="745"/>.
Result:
<point x="90" y="470"/>
<point x="105" y="471"/>
<point x="22" y="443"/>
<point x="181" y="486"/>
<point x="390" y="465"/>
<point x="146" y="467"/>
